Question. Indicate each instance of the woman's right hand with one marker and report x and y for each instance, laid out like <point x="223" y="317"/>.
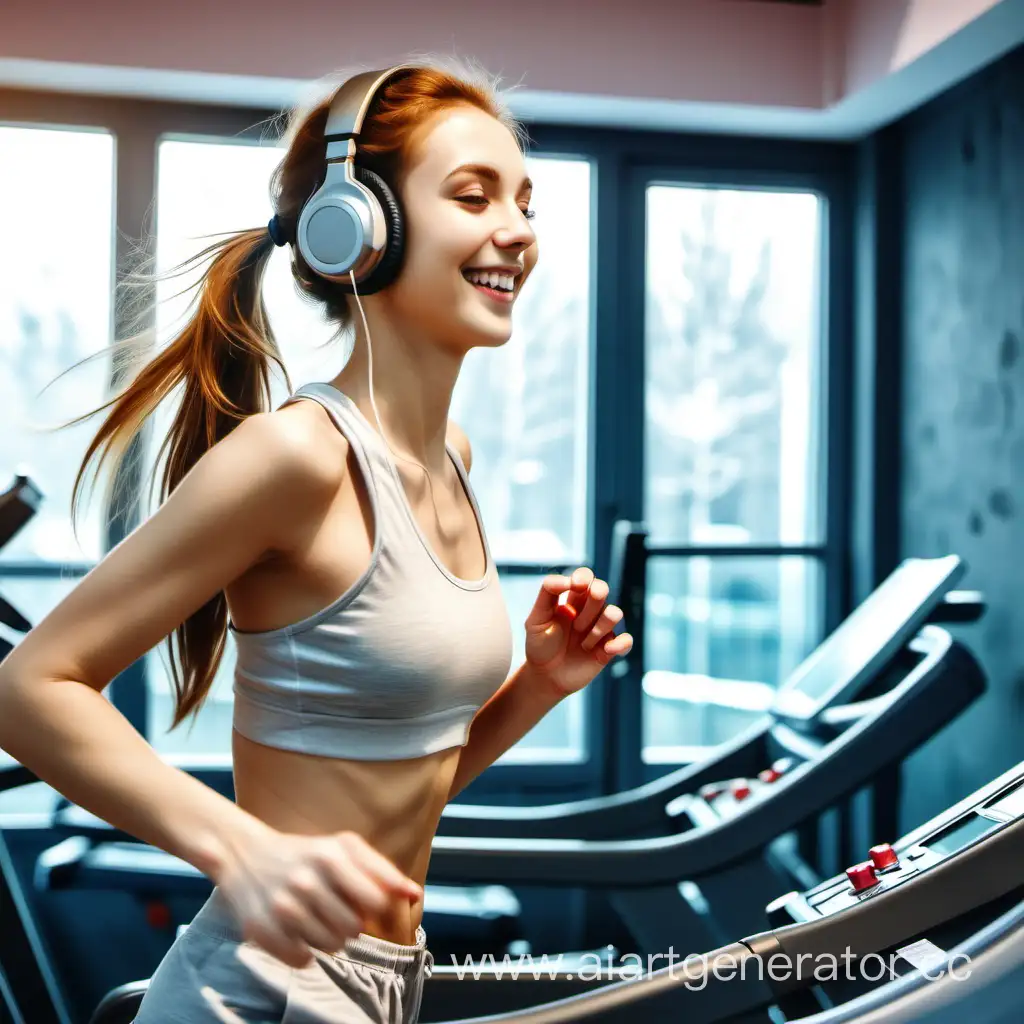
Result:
<point x="292" y="893"/>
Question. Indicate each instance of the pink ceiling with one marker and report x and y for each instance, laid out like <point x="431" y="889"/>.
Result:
<point x="691" y="58"/>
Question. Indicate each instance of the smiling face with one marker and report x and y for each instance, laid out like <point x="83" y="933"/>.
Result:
<point x="466" y="198"/>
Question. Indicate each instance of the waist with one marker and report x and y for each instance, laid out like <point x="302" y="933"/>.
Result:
<point x="395" y="805"/>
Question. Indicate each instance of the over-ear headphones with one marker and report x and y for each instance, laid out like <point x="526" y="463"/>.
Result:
<point x="353" y="223"/>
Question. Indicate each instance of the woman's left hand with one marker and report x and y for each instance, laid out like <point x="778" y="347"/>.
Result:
<point x="570" y="643"/>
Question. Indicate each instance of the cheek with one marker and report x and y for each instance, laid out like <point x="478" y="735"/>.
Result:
<point x="530" y="258"/>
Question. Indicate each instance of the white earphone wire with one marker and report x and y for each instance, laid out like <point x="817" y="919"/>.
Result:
<point x="373" y="403"/>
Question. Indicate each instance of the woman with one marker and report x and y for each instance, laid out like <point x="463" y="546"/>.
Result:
<point x="357" y="717"/>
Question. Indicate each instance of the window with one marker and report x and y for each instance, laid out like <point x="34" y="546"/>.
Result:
<point x="55" y="309"/>
<point x="523" y="407"/>
<point x="733" y="396"/>
<point x="722" y="633"/>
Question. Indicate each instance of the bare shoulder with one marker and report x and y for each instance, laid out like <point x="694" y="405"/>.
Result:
<point x="457" y="438"/>
<point x="302" y="443"/>
<point x="253" y="494"/>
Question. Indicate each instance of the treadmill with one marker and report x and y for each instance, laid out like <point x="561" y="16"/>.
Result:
<point x="884" y="941"/>
<point x="29" y="991"/>
<point x="18" y="504"/>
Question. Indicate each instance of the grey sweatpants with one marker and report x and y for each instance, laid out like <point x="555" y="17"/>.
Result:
<point x="210" y="974"/>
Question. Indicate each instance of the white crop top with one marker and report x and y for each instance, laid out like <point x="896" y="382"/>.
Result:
<point x="400" y="663"/>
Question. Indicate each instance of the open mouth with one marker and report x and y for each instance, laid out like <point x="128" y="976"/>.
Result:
<point x="497" y="286"/>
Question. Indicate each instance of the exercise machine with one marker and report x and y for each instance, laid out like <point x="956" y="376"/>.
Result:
<point x="29" y="989"/>
<point x="882" y="941"/>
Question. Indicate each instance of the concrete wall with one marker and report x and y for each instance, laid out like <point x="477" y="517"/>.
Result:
<point x="963" y="397"/>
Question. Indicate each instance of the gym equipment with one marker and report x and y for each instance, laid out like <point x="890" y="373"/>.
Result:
<point x="989" y="991"/>
<point x="881" y="685"/>
<point x="907" y="593"/>
<point x="18" y="504"/>
<point x="29" y="990"/>
<point x="950" y="886"/>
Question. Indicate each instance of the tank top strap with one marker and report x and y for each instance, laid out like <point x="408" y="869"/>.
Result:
<point x="371" y="451"/>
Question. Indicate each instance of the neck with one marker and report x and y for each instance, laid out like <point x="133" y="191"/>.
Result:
<point x="413" y="381"/>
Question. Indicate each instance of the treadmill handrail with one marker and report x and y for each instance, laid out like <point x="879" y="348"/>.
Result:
<point x="912" y="906"/>
<point x="621" y="864"/>
<point x="992" y="952"/>
<point x="632" y="810"/>
<point x="589" y="818"/>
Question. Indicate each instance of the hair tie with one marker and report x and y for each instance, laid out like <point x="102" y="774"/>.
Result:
<point x="276" y="231"/>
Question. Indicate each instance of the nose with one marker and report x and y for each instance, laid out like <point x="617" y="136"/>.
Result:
<point x="514" y="233"/>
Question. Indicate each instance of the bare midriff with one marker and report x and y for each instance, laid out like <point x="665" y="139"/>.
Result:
<point x="394" y="805"/>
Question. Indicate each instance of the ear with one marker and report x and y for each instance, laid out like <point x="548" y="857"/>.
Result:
<point x="460" y="442"/>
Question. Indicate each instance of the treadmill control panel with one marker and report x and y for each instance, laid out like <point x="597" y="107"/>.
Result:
<point x="716" y="801"/>
<point x="726" y="797"/>
<point x="886" y="866"/>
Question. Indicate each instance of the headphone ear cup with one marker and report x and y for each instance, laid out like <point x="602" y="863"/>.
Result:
<point x="391" y="262"/>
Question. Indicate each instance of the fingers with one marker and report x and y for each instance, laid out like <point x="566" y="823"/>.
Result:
<point x="268" y="933"/>
<point x="551" y="589"/>
<point x="363" y="875"/>
<point x="609" y="618"/>
<point x="298" y="916"/>
<point x="591" y="603"/>
<point x="614" y="647"/>
<point x="326" y="898"/>
<point x="318" y="892"/>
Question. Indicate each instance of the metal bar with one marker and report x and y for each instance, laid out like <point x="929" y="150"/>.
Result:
<point x="656" y="550"/>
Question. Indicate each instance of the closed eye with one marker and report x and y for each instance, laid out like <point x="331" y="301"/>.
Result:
<point x="483" y="201"/>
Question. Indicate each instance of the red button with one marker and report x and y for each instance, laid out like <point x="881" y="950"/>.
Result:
<point x="883" y="857"/>
<point x="862" y="875"/>
<point x="769" y="775"/>
<point x="158" y="915"/>
<point x="740" y="791"/>
<point x="710" y="791"/>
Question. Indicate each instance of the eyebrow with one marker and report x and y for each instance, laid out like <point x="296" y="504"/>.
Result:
<point x="488" y="172"/>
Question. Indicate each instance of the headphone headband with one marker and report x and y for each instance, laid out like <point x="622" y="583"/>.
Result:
<point x="353" y="99"/>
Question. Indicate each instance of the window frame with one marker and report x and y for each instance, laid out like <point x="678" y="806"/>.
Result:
<point x="831" y="414"/>
<point x="620" y="157"/>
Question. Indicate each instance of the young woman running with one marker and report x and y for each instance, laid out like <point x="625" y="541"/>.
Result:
<point x="339" y="540"/>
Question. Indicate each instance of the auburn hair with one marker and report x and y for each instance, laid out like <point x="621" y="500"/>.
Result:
<point x="221" y="360"/>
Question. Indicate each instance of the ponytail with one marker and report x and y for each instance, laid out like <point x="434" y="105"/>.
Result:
<point x="221" y="363"/>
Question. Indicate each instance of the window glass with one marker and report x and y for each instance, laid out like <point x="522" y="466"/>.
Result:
<point x="55" y="309"/>
<point x="733" y="372"/>
<point x="722" y="634"/>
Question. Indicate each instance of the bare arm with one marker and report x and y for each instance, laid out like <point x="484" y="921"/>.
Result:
<point x="250" y="495"/>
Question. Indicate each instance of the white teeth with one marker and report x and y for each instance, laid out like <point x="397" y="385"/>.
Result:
<point x="491" y="279"/>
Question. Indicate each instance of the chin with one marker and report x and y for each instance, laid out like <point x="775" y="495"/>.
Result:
<point x="476" y="331"/>
<point x="492" y="338"/>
